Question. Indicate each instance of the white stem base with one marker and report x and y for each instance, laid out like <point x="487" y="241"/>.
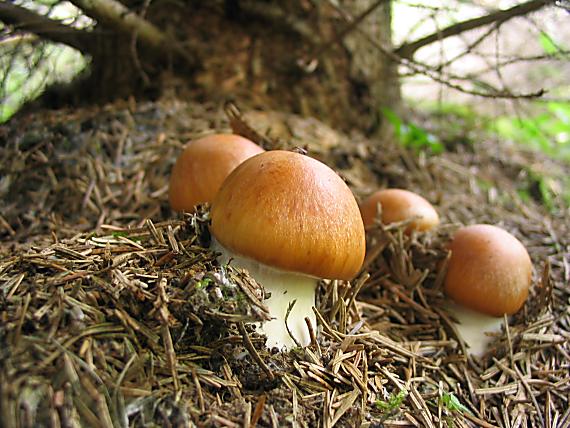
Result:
<point x="284" y="288"/>
<point x="473" y="326"/>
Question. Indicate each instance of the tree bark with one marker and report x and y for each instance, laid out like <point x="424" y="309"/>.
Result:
<point x="369" y="66"/>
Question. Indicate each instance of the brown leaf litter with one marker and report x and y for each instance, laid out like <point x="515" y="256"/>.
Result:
<point x="113" y="312"/>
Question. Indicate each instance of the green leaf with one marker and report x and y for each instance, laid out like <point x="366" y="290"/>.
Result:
<point x="410" y="135"/>
<point x="452" y="403"/>
<point x="203" y="283"/>
<point x="548" y="44"/>
<point x="562" y="111"/>
<point x="394" y="402"/>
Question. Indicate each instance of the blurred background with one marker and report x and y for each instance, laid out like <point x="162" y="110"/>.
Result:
<point x="498" y="66"/>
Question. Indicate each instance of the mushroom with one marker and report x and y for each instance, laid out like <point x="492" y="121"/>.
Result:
<point x="289" y="220"/>
<point x="202" y="167"/>
<point x="488" y="275"/>
<point x="399" y="205"/>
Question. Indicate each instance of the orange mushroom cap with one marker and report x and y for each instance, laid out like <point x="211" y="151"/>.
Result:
<point x="489" y="270"/>
<point x="399" y="205"/>
<point x="202" y="167"/>
<point x="290" y="212"/>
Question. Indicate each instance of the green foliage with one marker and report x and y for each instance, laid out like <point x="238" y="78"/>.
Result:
<point x="452" y="403"/>
<point x="549" y="46"/>
<point x="547" y="43"/>
<point x="412" y="136"/>
<point x="203" y="283"/>
<point x="393" y="403"/>
<point x="551" y="192"/>
<point x="120" y="233"/>
<point x="548" y="132"/>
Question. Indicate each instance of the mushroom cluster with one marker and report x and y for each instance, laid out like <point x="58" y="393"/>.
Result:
<point x="488" y="274"/>
<point x="289" y="220"/>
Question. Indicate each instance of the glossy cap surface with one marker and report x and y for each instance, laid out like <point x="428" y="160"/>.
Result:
<point x="202" y="167"/>
<point x="489" y="270"/>
<point x="291" y="212"/>
<point x="399" y="205"/>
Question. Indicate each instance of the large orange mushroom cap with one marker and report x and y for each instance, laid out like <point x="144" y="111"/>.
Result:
<point x="290" y="212"/>
<point x="399" y="205"/>
<point x="489" y="270"/>
<point x="202" y="167"/>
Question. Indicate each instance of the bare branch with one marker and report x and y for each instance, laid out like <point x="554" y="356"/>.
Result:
<point x="437" y="76"/>
<point x="23" y="19"/>
<point x="470" y="47"/>
<point x="494" y="93"/>
<point x="407" y="50"/>
<point x="114" y="14"/>
<point x="111" y="13"/>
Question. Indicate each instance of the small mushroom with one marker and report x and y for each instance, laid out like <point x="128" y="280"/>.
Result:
<point x="399" y="205"/>
<point x="202" y="167"/>
<point x="488" y="276"/>
<point x="290" y="220"/>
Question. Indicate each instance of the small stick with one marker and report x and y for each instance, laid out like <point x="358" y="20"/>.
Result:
<point x="289" y="309"/>
<point x="253" y="352"/>
<point x="508" y="332"/>
<point x="312" y="335"/>
<point x="199" y="390"/>
<point x="258" y="411"/>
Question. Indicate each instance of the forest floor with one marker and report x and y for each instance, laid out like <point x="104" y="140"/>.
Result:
<point x="110" y="304"/>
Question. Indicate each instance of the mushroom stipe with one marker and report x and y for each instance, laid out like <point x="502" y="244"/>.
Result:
<point x="289" y="219"/>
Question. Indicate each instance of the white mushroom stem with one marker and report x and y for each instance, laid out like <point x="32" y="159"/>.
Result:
<point x="285" y="287"/>
<point x="473" y="327"/>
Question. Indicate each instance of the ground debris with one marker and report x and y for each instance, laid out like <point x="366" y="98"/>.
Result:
<point x="114" y="312"/>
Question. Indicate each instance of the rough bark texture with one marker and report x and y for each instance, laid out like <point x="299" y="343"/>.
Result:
<point x="374" y="69"/>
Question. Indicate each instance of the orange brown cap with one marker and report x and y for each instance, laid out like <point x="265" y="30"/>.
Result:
<point x="489" y="270"/>
<point x="202" y="167"/>
<point x="291" y="212"/>
<point x="399" y="205"/>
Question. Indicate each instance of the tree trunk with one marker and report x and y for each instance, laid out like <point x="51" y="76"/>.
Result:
<point x="297" y="56"/>
<point x="369" y="65"/>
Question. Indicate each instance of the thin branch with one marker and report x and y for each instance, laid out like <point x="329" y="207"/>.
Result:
<point x="115" y="15"/>
<point x="23" y="19"/>
<point x="437" y="76"/>
<point x="407" y="50"/>
<point x="435" y="73"/>
<point x="503" y="61"/>
<point x="495" y="93"/>
<point x="351" y="26"/>
<point x="469" y="49"/>
<point x="559" y="56"/>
